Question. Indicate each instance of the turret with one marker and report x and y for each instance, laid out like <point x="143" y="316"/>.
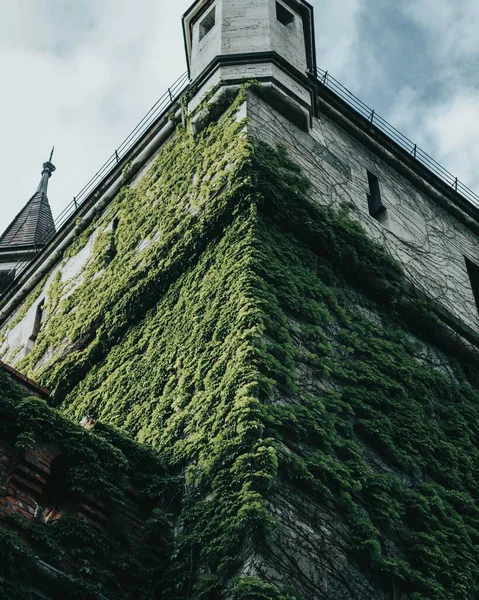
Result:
<point x="270" y="41"/>
<point x="29" y="231"/>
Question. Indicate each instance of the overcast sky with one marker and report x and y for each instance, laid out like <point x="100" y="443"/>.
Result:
<point x="80" y="74"/>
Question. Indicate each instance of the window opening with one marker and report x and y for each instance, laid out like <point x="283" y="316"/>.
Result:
<point x="283" y="15"/>
<point x="53" y="501"/>
<point x="36" y="325"/>
<point x="377" y="210"/>
<point x="473" y="272"/>
<point x="112" y="250"/>
<point x="207" y="23"/>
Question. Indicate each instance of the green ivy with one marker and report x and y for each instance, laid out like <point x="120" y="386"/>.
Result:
<point x="105" y="463"/>
<point x="228" y="290"/>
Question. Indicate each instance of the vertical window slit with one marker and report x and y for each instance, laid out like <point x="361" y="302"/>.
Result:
<point x="207" y="23"/>
<point x="377" y="210"/>
<point x="112" y="251"/>
<point x="473" y="272"/>
<point x="36" y="325"/>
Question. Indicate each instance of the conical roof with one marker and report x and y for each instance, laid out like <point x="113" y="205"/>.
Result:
<point x="33" y="227"/>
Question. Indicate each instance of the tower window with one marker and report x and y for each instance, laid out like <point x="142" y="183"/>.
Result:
<point x="284" y="16"/>
<point x="208" y="23"/>
<point x="473" y="272"/>
<point x="36" y="326"/>
<point x="376" y="208"/>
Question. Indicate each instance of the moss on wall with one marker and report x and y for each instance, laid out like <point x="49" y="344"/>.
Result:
<point x="255" y="321"/>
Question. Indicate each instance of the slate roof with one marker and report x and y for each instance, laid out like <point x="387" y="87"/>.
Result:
<point x="33" y="227"/>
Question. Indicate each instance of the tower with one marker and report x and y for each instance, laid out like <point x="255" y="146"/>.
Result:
<point x="29" y="231"/>
<point x="278" y="295"/>
<point x="272" y="42"/>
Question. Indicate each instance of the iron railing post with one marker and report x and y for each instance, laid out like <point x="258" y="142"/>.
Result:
<point x="365" y="111"/>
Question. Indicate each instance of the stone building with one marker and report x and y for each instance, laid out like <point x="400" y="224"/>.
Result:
<point x="275" y="295"/>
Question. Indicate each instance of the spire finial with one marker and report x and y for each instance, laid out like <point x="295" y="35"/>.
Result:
<point x="48" y="169"/>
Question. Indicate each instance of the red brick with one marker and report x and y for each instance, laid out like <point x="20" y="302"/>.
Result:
<point x="31" y="474"/>
<point x="22" y="482"/>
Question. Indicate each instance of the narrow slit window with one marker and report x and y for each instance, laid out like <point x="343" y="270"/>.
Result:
<point x="473" y="272"/>
<point x="52" y="503"/>
<point x="285" y="16"/>
<point x="377" y="210"/>
<point x="207" y="23"/>
<point x="112" y="250"/>
<point x="36" y="325"/>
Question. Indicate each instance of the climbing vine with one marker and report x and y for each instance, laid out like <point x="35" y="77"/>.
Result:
<point x="91" y="563"/>
<point x="274" y="353"/>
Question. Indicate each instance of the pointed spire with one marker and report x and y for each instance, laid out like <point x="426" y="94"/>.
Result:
<point x="33" y="227"/>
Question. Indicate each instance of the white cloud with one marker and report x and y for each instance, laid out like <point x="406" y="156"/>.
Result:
<point x="80" y="78"/>
<point x="444" y="121"/>
<point x="81" y="74"/>
<point x="453" y="128"/>
<point x="337" y="32"/>
<point x="447" y="125"/>
<point x="450" y="26"/>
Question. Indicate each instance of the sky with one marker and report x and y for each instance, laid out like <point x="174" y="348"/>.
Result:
<point x="80" y="74"/>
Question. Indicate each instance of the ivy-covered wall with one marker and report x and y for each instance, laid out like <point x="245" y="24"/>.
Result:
<point x="273" y="353"/>
<point x="376" y="428"/>
<point x="73" y="554"/>
<point x="427" y="233"/>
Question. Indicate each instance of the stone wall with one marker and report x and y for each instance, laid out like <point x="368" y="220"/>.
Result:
<point x="204" y="51"/>
<point x="289" y="40"/>
<point x="247" y="26"/>
<point x="429" y="241"/>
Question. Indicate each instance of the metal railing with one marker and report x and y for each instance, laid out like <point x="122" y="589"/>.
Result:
<point x="174" y="92"/>
<point x="371" y="115"/>
<point x="157" y="111"/>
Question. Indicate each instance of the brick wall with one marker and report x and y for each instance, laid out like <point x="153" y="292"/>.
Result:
<point x="24" y="477"/>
